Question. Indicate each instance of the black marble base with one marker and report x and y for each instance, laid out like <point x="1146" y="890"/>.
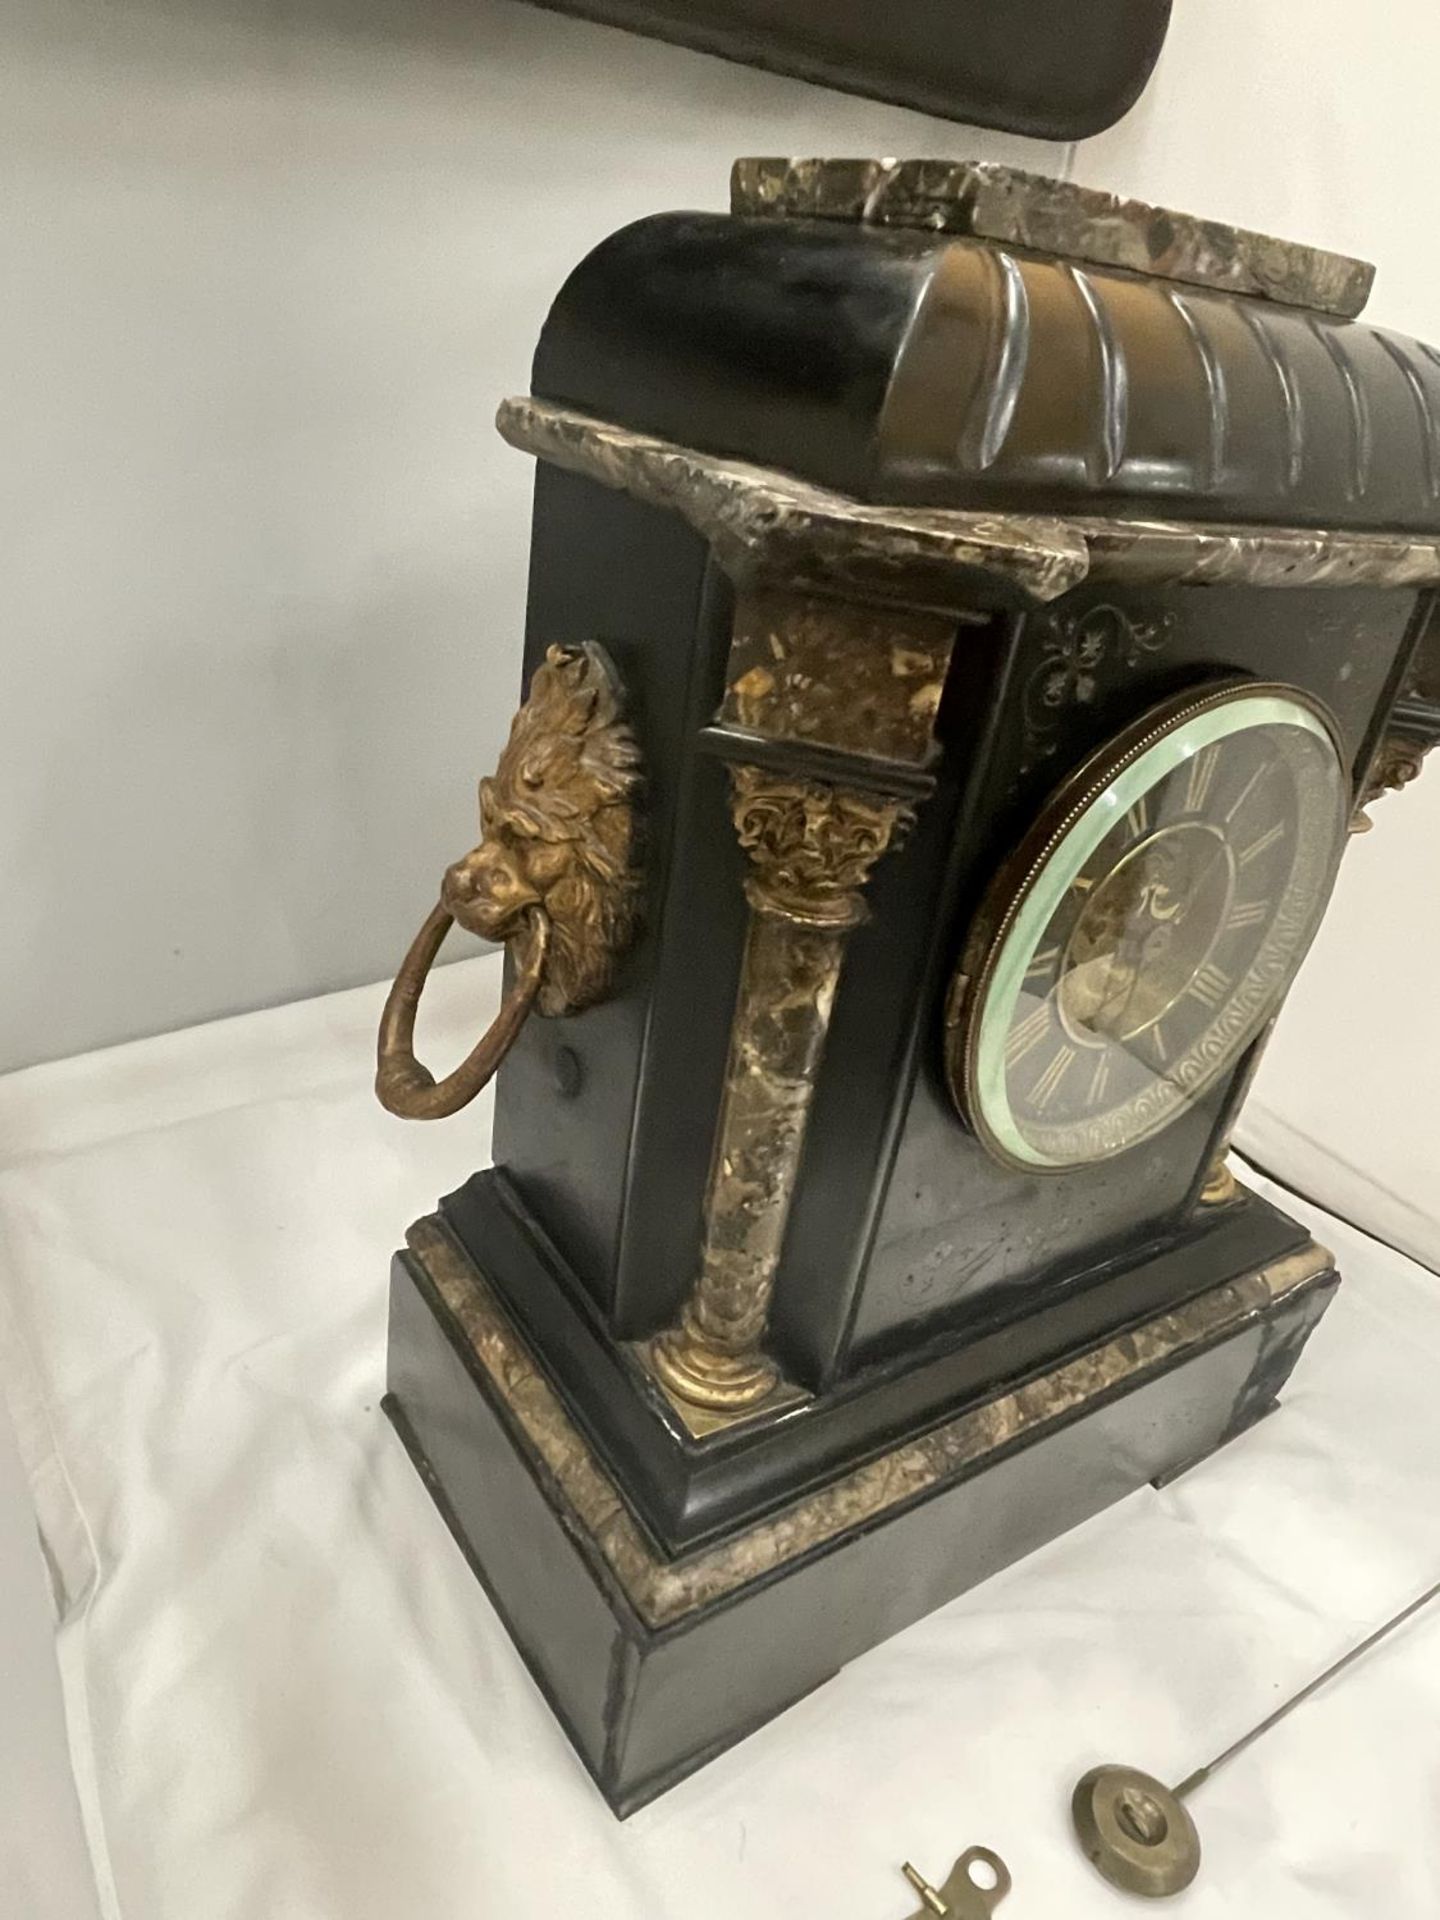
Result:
<point x="688" y="1490"/>
<point x="654" y="1664"/>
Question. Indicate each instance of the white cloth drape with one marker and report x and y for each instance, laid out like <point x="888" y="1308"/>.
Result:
<point x="288" y="1699"/>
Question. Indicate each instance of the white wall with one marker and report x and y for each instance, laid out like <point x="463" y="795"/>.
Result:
<point x="267" y="273"/>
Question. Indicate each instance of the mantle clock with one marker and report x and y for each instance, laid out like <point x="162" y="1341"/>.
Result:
<point x="967" y="617"/>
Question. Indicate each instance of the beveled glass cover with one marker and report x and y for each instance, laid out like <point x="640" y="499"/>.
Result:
<point x="1148" y="926"/>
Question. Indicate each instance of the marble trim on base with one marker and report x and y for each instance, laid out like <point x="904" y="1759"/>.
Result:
<point x="663" y="1592"/>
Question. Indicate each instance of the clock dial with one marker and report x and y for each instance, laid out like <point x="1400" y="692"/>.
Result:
<point x="1148" y="927"/>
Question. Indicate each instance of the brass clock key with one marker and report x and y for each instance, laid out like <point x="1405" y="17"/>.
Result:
<point x="964" y="1896"/>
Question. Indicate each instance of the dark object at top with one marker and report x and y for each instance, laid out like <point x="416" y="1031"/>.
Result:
<point x="991" y="202"/>
<point x="910" y="365"/>
<point x="1058" y="69"/>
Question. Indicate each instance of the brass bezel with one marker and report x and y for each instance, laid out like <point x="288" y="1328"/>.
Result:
<point x="1017" y="876"/>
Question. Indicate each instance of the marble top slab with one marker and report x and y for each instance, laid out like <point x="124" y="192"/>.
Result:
<point x="987" y="201"/>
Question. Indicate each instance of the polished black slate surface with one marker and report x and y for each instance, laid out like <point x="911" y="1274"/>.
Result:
<point x="902" y="1226"/>
<point x="901" y="366"/>
<point x="604" y="1120"/>
<point x="946" y="1228"/>
<point x="644" y="1708"/>
<point x="685" y="1491"/>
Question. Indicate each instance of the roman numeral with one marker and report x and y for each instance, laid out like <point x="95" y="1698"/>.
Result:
<point x="1245" y="793"/>
<point x="1160" y="1043"/>
<point x="1099" y="1080"/>
<point x="1262" y="845"/>
<point x="1246" y="913"/>
<point x="1029" y="1033"/>
<point x="1046" y="1087"/>
<point x="1210" y="986"/>
<point x="1043" y="964"/>
<point x="1202" y="773"/>
<point x="1138" y="818"/>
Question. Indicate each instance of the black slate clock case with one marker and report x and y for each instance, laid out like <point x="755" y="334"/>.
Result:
<point x="917" y="1273"/>
<point x="797" y="344"/>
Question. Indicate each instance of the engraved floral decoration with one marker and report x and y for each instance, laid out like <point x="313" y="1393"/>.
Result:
<point x="1077" y="653"/>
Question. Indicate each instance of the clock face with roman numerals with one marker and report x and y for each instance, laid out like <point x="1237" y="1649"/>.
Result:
<point x="1148" y="926"/>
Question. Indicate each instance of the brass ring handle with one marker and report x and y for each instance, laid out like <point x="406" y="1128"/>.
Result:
<point x="410" y="1090"/>
<point x="557" y="874"/>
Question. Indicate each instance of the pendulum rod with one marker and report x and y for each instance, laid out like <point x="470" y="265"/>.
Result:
<point x="1202" y="1774"/>
<point x="1136" y="1830"/>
